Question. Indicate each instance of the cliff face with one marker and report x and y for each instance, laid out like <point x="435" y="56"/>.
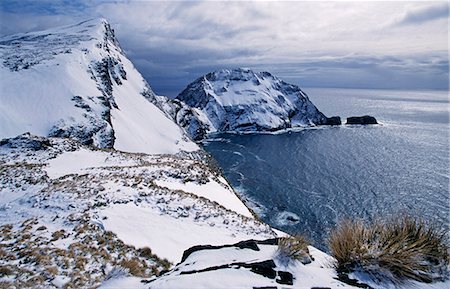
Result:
<point x="75" y="81"/>
<point x="241" y="100"/>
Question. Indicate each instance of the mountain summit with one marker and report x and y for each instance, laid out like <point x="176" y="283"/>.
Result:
<point x="75" y="81"/>
<point x="243" y="100"/>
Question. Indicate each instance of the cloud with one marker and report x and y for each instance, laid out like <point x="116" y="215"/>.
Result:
<point x="425" y="14"/>
<point x="311" y="43"/>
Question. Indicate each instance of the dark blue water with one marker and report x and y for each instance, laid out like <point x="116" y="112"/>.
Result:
<point x="305" y="181"/>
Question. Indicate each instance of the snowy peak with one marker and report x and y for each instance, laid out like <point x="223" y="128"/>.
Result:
<point x="243" y="100"/>
<point x="75" y="81"/>
<point x="217" y="85"/>
<point x="31" y="48"/>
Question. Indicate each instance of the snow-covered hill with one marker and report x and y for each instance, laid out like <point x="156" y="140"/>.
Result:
<point x="75" y="215"/>
<point x="76" y="81"/>
<point x="243" y="100"/>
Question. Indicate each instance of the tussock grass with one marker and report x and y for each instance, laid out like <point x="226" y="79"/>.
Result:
<point x="146" y="252"/>
<point x="396" y="250"/>
<point x="293" y="248"/>
<point x="134" y="266"/>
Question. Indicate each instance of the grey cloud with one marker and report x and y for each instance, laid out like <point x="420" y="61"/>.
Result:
<point x="11" y="23"/>
<point x="425" y="15"/>
<point x="173" y="43"/>
<point x="389" y="72"/>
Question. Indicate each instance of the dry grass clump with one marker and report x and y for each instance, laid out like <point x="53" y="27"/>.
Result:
<point x="395" y="250"/>
<point x="5" y="271"/>
<point x="145" y="252"/>
<point x="293" y="248"/>
<point x="134" y="266"/>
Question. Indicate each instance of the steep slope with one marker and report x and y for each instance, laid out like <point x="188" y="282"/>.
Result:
<point x="76" y="81"/>
<point x="243" y="100"/>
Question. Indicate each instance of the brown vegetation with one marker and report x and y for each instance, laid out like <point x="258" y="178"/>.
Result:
<point x="293" y="248"/>
<point x="394" y="250"/>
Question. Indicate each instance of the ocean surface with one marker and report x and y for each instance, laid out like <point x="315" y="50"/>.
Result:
<point x="305" y="181"/>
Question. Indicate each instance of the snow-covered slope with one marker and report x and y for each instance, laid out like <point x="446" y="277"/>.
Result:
<point x="243" y="100"/>
<point x="78" y="216"/>
<point x="249" y="264"/>
<point x="75" y="81"/>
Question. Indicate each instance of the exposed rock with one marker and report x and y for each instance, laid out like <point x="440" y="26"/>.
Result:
<point x="285" y="278"/>
<point x="247" y="244"/>
<point x="193" y="249"/>
<point x="334" y="120"/>
<point x="264" y="268"/>
<point x="26" y="141"/>
<point x="365" y="119"/>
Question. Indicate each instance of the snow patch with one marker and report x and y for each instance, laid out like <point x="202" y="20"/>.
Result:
<point x="168" y="237"/>
<point x="81" y="161"/>
<point x="212" y="191"/>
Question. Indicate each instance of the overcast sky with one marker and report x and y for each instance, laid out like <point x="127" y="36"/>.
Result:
<point x="401" y="45"/>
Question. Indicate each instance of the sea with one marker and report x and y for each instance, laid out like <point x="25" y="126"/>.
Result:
<point x="305" y="181"/>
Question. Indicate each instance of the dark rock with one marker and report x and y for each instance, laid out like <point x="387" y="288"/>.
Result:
<point x="334" y="120"/>
<point x="265" y="287"/>
<point x="352" y="282"/>
<point x="27" y="141"/>
<point x="285" y="278"/>
<point x="292" y="219"/>
<point x="249" y="244"/>
<point x="264" y="268"/>
<point x="273" y="241"/>
<point x="191" y="250"/>
<point x="365" y="119"/>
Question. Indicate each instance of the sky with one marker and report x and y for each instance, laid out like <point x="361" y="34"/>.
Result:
<point x="363" y="44"/>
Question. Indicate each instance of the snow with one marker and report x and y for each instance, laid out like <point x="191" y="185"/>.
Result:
<point x="199" y="260"/>
<point x="140" y="126"/>
<point x="81" y="161"/>
<point x="223" y="279"/>
<point x="93" y="194"/>
<point x="240" y="100"/>
<point x="166" y="236"/>
<point x="32" y="103"/>
<point x="316" y="274"/>
<point x="9" y="196"/>
<point x="124" y="283"/>
<point x="213" y="191"/>
<point x="75" y="81"/>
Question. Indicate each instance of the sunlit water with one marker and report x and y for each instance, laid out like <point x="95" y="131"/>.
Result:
<point x="305" y="181"/>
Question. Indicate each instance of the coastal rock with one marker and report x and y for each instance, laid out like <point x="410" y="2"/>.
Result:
<point x="334" y="120"/>
<point x="240" y="100"/>
<point x="365" y="119"/>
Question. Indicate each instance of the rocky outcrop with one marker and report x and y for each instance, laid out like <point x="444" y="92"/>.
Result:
<point x="246" y="256"/>
<point x="365" y="119"/>
<point x="240" y="100"/>
<point x="334" y="120"/>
